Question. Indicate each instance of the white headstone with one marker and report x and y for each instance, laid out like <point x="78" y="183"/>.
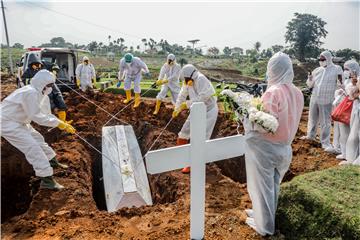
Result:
<point x="196" y="155"/>
<point x="125" y="178"/>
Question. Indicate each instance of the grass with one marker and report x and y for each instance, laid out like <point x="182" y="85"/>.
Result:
<point x="321" y="205"/>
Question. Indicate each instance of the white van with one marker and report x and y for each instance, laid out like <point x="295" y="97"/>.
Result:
<point x="65" y="58"/>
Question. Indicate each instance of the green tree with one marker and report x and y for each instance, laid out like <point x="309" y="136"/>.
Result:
<point x="144" y="41"/>
<point x="348" y="53"/>
<point x="266" y="53"/>
<point x="237" y="51"/>
<point x="304" y="33"/>
<point x="18" y="45"/>
<point x="92" y="46"/>
<point x="277" y="48"/>
<point x="58" y="42"/>
<point x="213" y="51"/>
<point x="257" y="46"/>
<point x="227" y="51"/>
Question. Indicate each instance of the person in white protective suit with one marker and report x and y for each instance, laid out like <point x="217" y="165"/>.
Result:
<point x="85" y="74"/>
<point x="324" y="81"/>
<point x="342" y="130"/>
<point x="199" y="89"/>
<point x="130" y="71"/>
<point x="353" y="142"/>
<point x="169" y="79"/>
<point x="31" y="104"/>
<point x="267" y="155"/>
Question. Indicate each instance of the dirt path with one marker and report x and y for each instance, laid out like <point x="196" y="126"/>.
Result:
<point x="77" y="212"/>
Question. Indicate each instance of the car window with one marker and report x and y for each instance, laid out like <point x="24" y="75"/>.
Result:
<point x="47" y="59"/>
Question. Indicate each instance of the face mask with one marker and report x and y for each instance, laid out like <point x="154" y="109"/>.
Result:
<point x="128" y="64"/>
<point x="47" y="91"/>
<point x="346" y="74"/>
<point x="322" y="63"/>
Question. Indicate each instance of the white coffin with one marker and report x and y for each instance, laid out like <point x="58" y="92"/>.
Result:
<point x="125" y="179"/>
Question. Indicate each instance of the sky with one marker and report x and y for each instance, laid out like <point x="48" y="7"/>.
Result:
<point x="220" y="24"/>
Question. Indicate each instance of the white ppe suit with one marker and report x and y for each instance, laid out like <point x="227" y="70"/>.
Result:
<point x="172" y="74"/>
<point x="85" y="73"/>
<point x="353" y="142"/>
<point x="18" y="110"/>
<point x="342" y="130"/>
<point x="132" y="73"/>
<point x="201" y="91"/>
<point x="324" y="82"/>
<point x="268" y="156"/>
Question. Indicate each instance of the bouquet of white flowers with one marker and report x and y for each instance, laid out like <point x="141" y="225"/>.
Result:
<point x="247" y="107"/>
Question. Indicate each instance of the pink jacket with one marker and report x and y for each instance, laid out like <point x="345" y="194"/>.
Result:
<point x="286" y="103"/>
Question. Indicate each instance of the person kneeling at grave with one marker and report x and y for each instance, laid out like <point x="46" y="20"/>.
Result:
<point x="268" y="155"/>
<point x="199" y="89"/>
<point x="18" y="110"/>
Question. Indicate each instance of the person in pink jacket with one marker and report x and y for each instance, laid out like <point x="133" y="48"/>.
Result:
<point x="268" y="156"/>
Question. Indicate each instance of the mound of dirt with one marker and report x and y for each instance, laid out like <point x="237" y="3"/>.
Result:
<point x="78" y="212"/>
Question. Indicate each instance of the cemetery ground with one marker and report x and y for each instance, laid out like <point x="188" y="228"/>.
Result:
<point x="78" y="211"/>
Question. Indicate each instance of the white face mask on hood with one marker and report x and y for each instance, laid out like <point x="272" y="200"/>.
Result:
<point x="47" y="91"/>
<point x="346" y="74"/>
<point x="322" y="63"/>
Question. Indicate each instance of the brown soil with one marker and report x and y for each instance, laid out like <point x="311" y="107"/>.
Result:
<point x="78" y="212"/>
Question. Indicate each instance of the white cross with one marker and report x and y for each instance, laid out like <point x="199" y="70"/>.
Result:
<point x="196" y="154"/>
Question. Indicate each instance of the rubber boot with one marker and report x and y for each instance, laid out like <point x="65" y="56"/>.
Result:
<point x="55" y="164"/>
<point x="182" y="141"/>
<point x="50" y="183"/>
<point x="157" y="107"/>
<point x="137" y="100"/>
<point x="128" y="96"/>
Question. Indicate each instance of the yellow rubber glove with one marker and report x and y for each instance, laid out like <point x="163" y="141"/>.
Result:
<point x="175" y="114"/>
<point x="62" y="115"/>
<point x="161" y="82"/>
<point x="67" y="127"/>
<point x="78" y="82"/>
<point x="182" y="107"/>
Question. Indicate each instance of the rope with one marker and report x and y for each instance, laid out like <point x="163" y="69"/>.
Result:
<point x="158" y="137"/>
<point x="92" y="102"/>
<point x="114" y="117"/>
